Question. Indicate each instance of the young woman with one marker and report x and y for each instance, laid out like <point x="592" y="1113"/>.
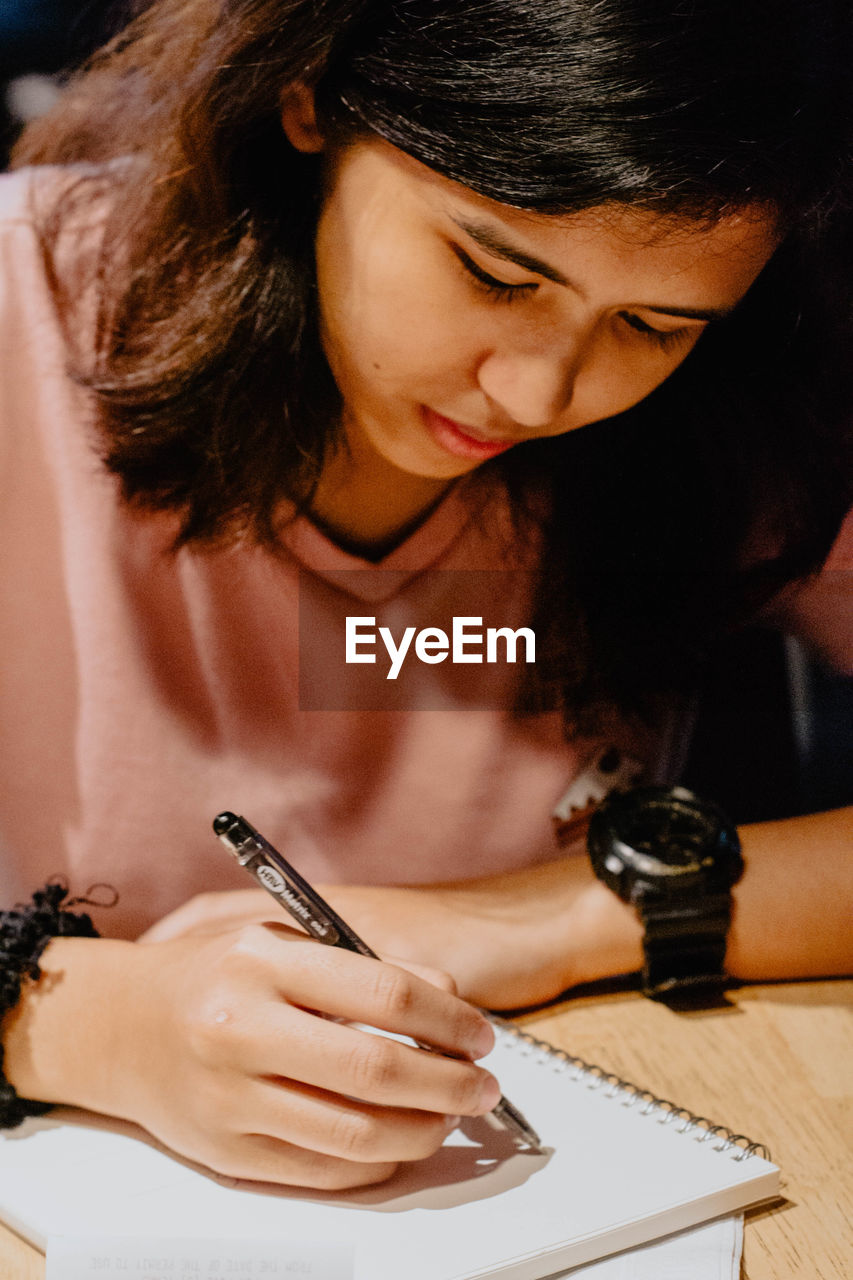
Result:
<point x="331" y="289"/>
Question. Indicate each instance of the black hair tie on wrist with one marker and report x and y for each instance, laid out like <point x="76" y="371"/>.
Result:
<point x="25" y="931"/>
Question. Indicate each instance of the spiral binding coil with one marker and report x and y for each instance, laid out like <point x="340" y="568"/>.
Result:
<point x="632" y="1095"/>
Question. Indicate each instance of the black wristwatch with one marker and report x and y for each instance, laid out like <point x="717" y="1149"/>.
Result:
<point x="675" y="857"/>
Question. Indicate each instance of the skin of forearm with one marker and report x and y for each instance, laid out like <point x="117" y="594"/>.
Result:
<point x="793" y="913"/>
<point x="62" y="1040"/>
<point x="524" y="937"/>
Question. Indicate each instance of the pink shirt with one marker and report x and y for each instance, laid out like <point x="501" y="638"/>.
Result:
<point x="143" y="692"/>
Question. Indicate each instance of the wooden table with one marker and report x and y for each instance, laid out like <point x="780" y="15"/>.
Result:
<point x="776" y="1064"/>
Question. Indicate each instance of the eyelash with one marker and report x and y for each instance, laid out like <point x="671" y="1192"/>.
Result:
<point x="501" y="291"/>
<point x="498" y="289"/>
<point x="664" y="338"/>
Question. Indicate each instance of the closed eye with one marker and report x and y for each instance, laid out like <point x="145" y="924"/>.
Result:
<point x="491" y="285"/>
<point x="665" y="338"/>
<point x="504" y="291"/>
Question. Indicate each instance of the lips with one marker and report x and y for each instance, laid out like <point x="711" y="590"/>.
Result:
<point x="457" y="439"/>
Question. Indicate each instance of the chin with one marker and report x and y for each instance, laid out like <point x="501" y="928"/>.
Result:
<point x="449" y="470"/>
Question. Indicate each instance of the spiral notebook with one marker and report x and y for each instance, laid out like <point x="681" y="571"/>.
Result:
<point x="619" y="1168"/>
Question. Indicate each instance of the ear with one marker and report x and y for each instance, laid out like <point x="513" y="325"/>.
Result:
<point x="299" y="120"/>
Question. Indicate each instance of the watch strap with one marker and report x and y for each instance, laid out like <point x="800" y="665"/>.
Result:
<point x="685" y="945"/>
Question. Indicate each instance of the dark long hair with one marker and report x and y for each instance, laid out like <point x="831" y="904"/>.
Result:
<point x="669" y="523"/>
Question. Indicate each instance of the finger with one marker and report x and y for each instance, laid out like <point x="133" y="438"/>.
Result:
<point x="311" y="1118"/>
<point x="258" y="1157"/>
<point x="360" y="989"/>
<point x="347" y="1060"/>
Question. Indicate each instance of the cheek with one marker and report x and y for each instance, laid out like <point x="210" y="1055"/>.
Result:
<point x="393" y="333"/>
<point x="617" y="379"/>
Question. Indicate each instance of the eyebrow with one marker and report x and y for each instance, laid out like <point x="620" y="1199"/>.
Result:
<point x="492" y="240"/>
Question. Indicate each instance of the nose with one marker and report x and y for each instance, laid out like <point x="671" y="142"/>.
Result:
<point x="532" y="388"/>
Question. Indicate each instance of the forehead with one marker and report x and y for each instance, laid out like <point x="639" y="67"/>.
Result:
<point x="725" y="253"/>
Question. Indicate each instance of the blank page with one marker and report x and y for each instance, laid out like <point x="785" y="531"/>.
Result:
<point x="616" y="1171"/>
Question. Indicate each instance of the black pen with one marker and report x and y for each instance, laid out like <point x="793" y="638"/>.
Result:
<point x="275" y="874"/>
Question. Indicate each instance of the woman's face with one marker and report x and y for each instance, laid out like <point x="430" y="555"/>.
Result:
<point x="457" y="327"/>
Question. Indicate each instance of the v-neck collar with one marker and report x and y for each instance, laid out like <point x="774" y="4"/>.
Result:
<point x="378" y="580"/>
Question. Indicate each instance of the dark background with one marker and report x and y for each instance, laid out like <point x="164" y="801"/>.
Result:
<point x="774" y="735"/>
<point x="48" y="36"/>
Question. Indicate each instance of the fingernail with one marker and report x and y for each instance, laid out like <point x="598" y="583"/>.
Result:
<point x="452" y="1122"/>
<point x="490" y="1094"/>
<point x="484" y="1041"/>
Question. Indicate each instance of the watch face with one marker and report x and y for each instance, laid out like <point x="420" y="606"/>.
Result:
<point x="666" y="837"/>
<point x="662" y="838"/>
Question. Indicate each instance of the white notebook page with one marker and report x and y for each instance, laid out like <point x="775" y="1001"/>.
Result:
<point x="614" y="1174"/>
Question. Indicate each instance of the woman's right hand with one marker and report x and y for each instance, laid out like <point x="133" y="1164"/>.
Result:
<point x="216" y="1045"/>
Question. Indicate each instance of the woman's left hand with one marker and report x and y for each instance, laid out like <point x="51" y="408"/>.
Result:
<point x="523" y="937"/>
<point x="508" y="940"/>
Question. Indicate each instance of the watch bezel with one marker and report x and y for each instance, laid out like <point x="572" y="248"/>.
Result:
<point x="635" y="874"/>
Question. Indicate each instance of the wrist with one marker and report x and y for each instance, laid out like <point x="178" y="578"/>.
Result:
<point x="605" y="934"/>
<point x="526" y="936"/>
<point x="48" y="1037"/>
<point x="583" y="932"/>
<point x="675" y="857"/>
